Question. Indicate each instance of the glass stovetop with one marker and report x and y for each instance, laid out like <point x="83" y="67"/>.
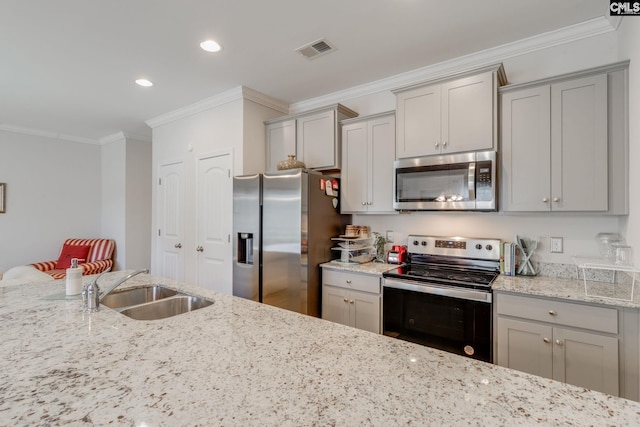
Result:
<point x="444" y="275"/>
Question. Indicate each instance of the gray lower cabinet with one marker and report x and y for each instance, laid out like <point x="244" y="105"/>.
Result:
<point x="563" y="143"/>
<point x="352" y="299"/>
<point x="569" y="342"/>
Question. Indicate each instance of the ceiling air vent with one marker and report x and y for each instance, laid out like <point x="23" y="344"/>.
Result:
<point x="316" y="49"/>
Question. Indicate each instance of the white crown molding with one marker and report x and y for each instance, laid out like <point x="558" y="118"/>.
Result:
<point x="47" y="134"/>
<point x="124" y="135"/>
<point x="497" y="54"/>
<point x="231" y="95"/>
<point x="615" y="21"/>
<point x="266" y="100"/>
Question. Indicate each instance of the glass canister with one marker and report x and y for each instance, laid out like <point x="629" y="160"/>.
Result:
<point x="606" y="241"/>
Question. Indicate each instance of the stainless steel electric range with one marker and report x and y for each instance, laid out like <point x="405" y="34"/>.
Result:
<point x="442" y="297"/>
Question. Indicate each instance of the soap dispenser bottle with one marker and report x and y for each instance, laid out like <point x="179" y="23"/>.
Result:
<point x="74" y="278"/>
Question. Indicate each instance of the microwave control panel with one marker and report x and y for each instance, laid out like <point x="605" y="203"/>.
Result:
<point x="484" y="181"/>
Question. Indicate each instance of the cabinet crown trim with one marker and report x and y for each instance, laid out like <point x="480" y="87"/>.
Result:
<point x="341" y="109"/>
<point x="365" y="118"/>
<point x="496" y="68"/>
<point x="616" y="66"/>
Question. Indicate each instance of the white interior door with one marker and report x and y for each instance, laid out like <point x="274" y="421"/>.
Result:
<point x="213" y="223"/>
<point x="171" y="221"/>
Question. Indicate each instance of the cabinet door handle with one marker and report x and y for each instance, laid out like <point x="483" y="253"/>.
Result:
<point x="545" y="200"/>
<point x="348" y="281"/>
<point x="556" y="199"/>
<point x="199" y="249"/>
<point x="436" y="144"/>
<point x="547" y="340"/>
<point x="345" y="300"/>
<point x="552" y="312"/>
<point x="351" y="302"/>
<point x="364" y="203"/>
<point x="558" y="342"/>
<point x="177" y="245"/>
<point x="444" y="144"/>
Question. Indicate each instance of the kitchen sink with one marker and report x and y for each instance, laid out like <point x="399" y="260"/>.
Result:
<point x="135" y="296"/>
<point x="153" y="302"/>
<point x="168" y="307"/>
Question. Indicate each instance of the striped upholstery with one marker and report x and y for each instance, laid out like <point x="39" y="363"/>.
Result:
<point x="99" y="259"/>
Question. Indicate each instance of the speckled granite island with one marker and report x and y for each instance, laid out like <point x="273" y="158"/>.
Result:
<point x="238" y="362"/>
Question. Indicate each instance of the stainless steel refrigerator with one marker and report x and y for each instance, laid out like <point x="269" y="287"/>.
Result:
<point x="282" y="228"/>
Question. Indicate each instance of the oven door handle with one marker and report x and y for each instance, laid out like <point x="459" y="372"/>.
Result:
<point x="472" y="181"/>
<point x="447" y="291"/>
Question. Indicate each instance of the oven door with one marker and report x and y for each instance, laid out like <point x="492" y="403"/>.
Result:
<point x="456" y="320"/>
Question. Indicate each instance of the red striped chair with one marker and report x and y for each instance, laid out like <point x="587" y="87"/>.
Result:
<point x="99" y="258"/>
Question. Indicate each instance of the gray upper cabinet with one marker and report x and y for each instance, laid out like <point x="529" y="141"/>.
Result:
<point x="368" y="152"/>
<point x="563" y="144"/>
<point x="281" y="142"/>
<point x="313" y="137"/>
<point x="449" y="116"/>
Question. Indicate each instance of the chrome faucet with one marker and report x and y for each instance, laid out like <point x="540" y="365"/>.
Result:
<point x="91" y="295"/>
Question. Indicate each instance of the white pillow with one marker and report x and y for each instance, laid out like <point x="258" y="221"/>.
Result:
<point x="26" y="272"/>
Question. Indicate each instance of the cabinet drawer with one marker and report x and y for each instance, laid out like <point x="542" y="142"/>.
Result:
<point x="359" y="282"/>
<point x="559" y="313"/>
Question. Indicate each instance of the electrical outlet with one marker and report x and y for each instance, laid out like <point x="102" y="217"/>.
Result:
<point x="390" y="235"/>
<point x="556" y="245"/>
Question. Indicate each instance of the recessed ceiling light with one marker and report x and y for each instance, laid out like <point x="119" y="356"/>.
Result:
<point x="210" y="46"/>
<point x="144" y="83"/>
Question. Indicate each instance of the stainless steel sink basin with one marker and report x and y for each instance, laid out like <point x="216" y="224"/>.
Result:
<point x="168" y="307"/>
<point x="135" y="296"/>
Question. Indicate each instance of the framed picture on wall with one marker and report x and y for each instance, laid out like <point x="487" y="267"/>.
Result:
<point x="3" y="187"/>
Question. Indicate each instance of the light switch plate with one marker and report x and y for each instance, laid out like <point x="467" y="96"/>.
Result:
<point x="556" y="245"/>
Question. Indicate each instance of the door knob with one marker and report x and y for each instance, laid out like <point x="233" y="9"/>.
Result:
<point x="177" y="245"/>
<point x="556" y="199"/>
<point x="444" y="143"/>
<point x="200" y="249"/>
<point x="558" y="342"/>
<point x="545" y="200"/>
<point x="552" y="312"/>
<point x="436" y="144"/>
<point x="547" y="340"/>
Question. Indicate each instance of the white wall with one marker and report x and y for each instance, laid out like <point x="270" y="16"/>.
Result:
<point x="578" y="231"/>
<point x="212" y="131"/>
<point x="126" y="200"/>
<point x="235" y="126"/>
<point x="629" y="48"/>
<point x="53" y="193"/>
<point x="113" y="200"/>
<point x="138" y="204"/>
<point x="254" y="152"/>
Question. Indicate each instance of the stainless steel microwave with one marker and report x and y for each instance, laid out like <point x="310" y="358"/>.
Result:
<point x="465" y="181"/>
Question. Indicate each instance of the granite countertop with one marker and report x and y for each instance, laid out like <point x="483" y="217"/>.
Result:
<point x="618" y="295"/>
<point x="238" y="362"/>
<point x="597" y="292"/>
<point x="369" y="267"/>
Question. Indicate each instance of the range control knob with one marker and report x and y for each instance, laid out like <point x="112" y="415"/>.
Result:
<point x="415" y="243"/>
<point x="488" y="247"/>
<point x="424" y="243"/>
<point x="478" y="246"/>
